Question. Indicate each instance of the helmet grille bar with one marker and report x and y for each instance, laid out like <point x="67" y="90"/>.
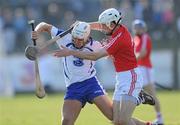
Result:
<point x="115" y="26"/>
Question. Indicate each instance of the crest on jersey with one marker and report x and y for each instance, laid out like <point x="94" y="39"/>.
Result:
<point x="78" y="62"/>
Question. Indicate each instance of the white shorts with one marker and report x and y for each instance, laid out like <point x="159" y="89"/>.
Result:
<point x="128" y="83"/>
<point x="147" y="74"/>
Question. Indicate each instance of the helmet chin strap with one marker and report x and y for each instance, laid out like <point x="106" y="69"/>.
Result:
<point x="109" y="34"/>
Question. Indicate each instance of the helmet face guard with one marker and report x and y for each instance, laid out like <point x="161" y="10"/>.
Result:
<point x="108" y="16"/>
<point x="114" y="27"/>
<point x="80" y="34"/>
<point x="81" y="30"/>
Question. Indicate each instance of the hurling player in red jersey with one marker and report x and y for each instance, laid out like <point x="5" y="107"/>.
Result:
<point x="128" y="77"/>
<point x="143" y="47"/>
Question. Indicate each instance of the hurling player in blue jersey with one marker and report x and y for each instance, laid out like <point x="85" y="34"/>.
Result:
<point x="80" y="74"/>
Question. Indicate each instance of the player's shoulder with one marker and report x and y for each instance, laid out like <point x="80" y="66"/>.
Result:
<point x="56" y="31"/>
<point x="93" y="44"/>
<point x="124" y="28"/>
<point x="146" y="36"/>
<point x="124" y="31"/>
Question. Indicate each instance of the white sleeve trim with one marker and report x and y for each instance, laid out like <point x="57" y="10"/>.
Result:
<point x="54" y="31"/>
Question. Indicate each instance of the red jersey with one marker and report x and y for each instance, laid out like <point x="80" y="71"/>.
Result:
<point x="143" y="42"/>
<point x="121" y="48"/>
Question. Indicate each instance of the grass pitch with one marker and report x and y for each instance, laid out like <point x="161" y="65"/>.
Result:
<point x="29" y="110"/>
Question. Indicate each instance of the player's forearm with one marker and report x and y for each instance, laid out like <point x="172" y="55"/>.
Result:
<point x="90" y="55"/>
<point x="43" y="27"/>
<point x="84" y="55"/>
<point x="96" y="26"/>
<point x="140" y="55"/>
<point x="81" y="54"/>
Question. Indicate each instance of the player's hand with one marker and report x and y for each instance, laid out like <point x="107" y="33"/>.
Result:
<point x="62" y="52"/>
<point x="34" y="35"/>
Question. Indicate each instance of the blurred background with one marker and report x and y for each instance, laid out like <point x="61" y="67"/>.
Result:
<point x="17" y="73"/>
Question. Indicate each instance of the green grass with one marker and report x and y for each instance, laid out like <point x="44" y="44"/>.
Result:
<point x="28" y="110"/>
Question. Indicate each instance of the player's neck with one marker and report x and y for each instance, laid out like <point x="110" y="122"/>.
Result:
<point x="116" y="29"/>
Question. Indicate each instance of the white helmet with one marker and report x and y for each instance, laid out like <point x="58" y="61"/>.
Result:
<point x="109" y="15"/>
<point x="139" y="24"/>
<point x="81" y="30"/>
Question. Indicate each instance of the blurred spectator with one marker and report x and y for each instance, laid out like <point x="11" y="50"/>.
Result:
<point x="1" y="32"/>
<point x="33" y="14"/>
<point x="20" y="25"/>
<point x="147" y="12"/>
<point x="159" y="15"/>
<point x="77" y="7"/>
<point x="68" y="19"/>
<point x="54" y="13"/>
<point x="9" y="34"/>
<point x="108" y="4"/>
<point x="178" y="25"/>
<point x="168" y="15"/>
<point x="1" y="20"/>
<point x="168" y="18"/>
<point x="127" y="13"/>
<point x="138" y="10"/>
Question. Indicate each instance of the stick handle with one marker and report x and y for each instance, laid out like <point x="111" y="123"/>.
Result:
<point x="32" y="27"/>
<point x="51" y="41"/>
<point x="40" y="92"/>
<point x="65" y="32"/>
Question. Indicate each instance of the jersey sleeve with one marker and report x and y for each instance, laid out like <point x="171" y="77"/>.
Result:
<point x="55" y="32"/>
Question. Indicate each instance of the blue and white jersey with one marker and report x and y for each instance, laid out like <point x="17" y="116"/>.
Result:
<point x="76" y="69"/>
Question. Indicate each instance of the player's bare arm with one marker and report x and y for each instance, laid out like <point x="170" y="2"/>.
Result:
<point x="141" y="54"/>
<point x="41" y="27"/>
<point x="96" y="26"/>
<point x="84" y="55"/>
